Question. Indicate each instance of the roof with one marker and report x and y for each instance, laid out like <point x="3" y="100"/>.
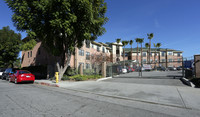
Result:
<point x="93" y="42"/>
<point x="152" y="49"/>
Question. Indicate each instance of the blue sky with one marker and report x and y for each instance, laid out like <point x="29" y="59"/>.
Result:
<point x="175" y="23"/>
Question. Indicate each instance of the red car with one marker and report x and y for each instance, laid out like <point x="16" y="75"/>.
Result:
<point x="22" y="76"/>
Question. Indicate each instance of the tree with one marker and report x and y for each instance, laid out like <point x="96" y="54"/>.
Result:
<point x="155" y="53"/>
<point x="118" y="41"/>
<point x="147" y="46"/>
<point x="124" y="44"/>
<point x="137" y="40"/>
<point x="150" y="36"/>
<point x="9" y="46"/>
<point x="141" y="40"/>
<point x="61" y="25"/>
<point x="131" y="43"/>
<point x="158" y="46"/>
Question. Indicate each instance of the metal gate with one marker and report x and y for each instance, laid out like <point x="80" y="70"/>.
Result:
<point x="163" y="69"/>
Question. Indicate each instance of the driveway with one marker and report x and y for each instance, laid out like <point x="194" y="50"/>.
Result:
<point x="153" y="78"/>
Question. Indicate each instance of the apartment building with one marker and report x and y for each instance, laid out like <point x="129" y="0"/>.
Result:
<point x="163" y="56"/>
<point x="92" y="53"/>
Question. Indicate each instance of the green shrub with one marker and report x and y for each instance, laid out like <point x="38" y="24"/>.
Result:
<point x="88" y="71"/>
<point x="83" y="77"/>
<point x="65" y="77"/>
<point x="70" y="71"/>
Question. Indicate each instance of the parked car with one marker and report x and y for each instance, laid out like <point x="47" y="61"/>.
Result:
<point x="117" y="69"/>
<point x="171" y="69"/>
<point x="22" y="76"/>
<point x="130" y="69"/>
<point x="161" y="68"/>
<point x="146" y="68"/>
<point x="7" y="73"/>
<point x="179" y="68"/>
<point x="124" y="70"/>
<point x="1" y="71"/>
<point x="136" y="68"/>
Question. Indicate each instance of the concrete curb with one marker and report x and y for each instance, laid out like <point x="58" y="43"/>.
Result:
<point x="104" y="79"/>
<point x="47" y="84"/>
<point x="187" y="82"/>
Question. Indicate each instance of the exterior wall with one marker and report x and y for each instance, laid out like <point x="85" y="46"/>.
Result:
<point x="41" y="57"/>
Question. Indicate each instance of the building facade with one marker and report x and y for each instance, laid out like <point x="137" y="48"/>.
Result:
<point x="89" y="55"/>
<point x="94" y="53"/>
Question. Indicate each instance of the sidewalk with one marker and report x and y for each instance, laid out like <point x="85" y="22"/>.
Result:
<point x="181" y="97"/>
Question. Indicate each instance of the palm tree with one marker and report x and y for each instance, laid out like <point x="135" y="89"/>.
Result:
<point x="124" y="43"/>
<point x="155" y="52"/>
<point x="158" y="46"/>
<point x="118" y="41"/>
<point x="141" y="40"/>
<point x="131" y="43"/>
<point x="150" y="36"/>
<point x="137" y="40"/>
<point x="147" y="46"/>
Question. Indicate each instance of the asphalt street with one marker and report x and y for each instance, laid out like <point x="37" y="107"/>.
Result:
<point x="32" y="100"/>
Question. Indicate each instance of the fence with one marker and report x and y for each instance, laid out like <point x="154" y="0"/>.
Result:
<point x="170" y="68"/>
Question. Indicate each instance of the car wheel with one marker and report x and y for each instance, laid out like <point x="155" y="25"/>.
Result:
<point x="16" y="81"/>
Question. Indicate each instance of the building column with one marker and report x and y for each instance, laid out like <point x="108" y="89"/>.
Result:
<point x="103" y="69"/>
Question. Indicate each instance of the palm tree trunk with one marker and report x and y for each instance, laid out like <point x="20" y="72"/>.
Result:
<point x="141" y="55"/>
<point x="131" y="52"/>
<point x="149" y="49"/>
<point x="124" y="56"/>
<point x="155" y="58"/>
<point x="137" y="52"/>
<point x="159" y="57"/>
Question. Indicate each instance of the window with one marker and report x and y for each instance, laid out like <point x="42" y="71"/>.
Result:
<point x="87" y="56"/>
<point x="144" y="60"/>
<point x="163" y="53"/>
<point x="179" y="60"/>
<point x="92" y="46"/>
<point x="87" y="66"/>
<point x="144" y="54"/>
<point x="31" y="54"/>
<point x="126" y="54"/>
<point x="151" y="60"/>
<point x="117" y="51"/>
<point x="103" y="50"/>
<point x="163" y="60"/>
<point x="98" y="48"/>
<point x="179" y="54"/>
<point x="81" y="52"/>
<point x="170" y="60"/>
<point x="28" y="54"/>
<point x="24" y="72"/>
<point x="170" y="53"/>
<point x="156" y="60"/>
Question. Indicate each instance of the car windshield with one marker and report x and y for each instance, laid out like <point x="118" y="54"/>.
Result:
<point x="24" y="72"/>
<point x="8" y="70"/>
